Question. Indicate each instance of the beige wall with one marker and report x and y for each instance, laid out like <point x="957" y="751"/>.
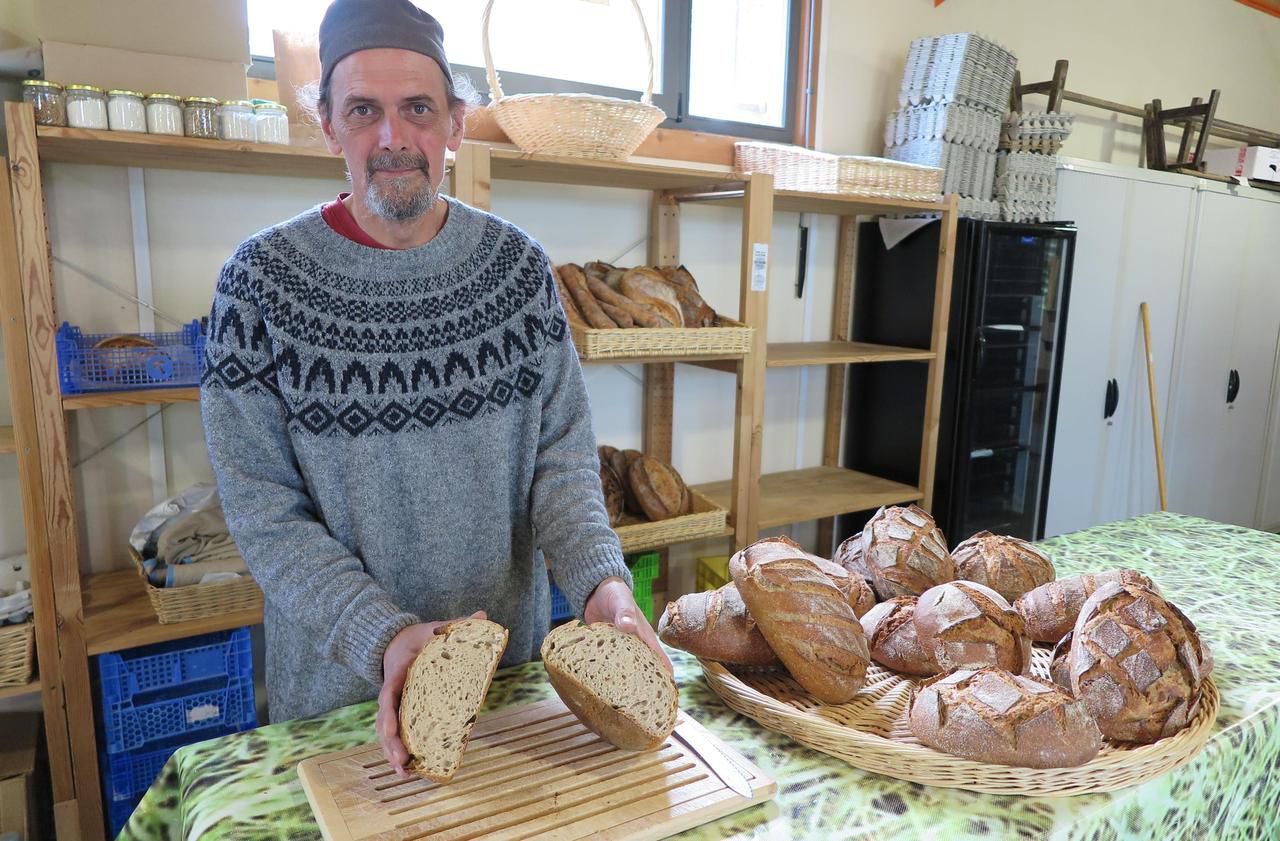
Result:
<point x="1128" y="51"/>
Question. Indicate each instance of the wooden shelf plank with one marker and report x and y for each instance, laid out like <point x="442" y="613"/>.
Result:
<point x="786" y="354"/>
<point x="140" y="397"/>
<point x="798" y="496"/>
<point x="514" y="165"/>
<point x="7" y="442"/>
<point x="152" y="151"/>
<point x="838" y="204"/>
<point x="118" y="615"/>
<point x="21" y="690"/>
<point x="724" y="362"/>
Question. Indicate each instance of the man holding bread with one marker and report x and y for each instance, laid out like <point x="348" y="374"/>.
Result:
<point x="392" y="402"/>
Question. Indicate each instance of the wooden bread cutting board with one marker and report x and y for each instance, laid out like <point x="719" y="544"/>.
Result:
<point x="529" y="772"/>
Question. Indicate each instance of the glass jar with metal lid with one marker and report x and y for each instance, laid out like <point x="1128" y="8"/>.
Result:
<point x="164" y="114"/>
<point x="125" y="111"/>
<point x="87" y="107"/>
<point x="200" y="117"/>
<point x="271" y="122"/>
<point x="235" y="119"/>
<point x="48" y="99"/>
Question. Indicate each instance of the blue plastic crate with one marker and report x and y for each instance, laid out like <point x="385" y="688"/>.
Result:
<point x="129" y="774"/>
<point x="119" y="812"/>
<point x="559" y="605"/>
<point x="152" y="717"/>
<point x="644" y="570"/>
<point x="166" y="665"/>
<point x="170" y="360"/>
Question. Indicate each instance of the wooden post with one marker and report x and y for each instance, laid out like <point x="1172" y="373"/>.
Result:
<point x="27" y="448"/>
<point x="837" y="375"/>
<point x="471" y="176"/>
<point x="753" y="310"/>
<point x="660" y="378"/>
<point x="51" y="442"/>
<point x="941" y="315"/>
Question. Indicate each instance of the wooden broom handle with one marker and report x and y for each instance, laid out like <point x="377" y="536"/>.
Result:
<point x="1155" y="412"/>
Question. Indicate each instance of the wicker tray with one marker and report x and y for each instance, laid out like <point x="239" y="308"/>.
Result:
<point x="199" y="601"/>
<point x="707" y="520"/>
<point x="792" y="167"/>
<point x="728" y="338"/>
<point x="16" y="651"/>
<point x="871" y="733"/>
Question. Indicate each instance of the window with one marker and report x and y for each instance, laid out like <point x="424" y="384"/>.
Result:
<point x="724" y="66"/>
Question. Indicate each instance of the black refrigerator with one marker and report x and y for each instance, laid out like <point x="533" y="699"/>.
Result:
<point x="1005" y="334"/>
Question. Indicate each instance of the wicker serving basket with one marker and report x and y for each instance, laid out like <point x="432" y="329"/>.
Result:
<point x="574" y="124"/>
<point x="883" y="178"/>
<point x="871" y="733"/>
<point x="792" y="167"/>
<point x="705" y="520"/>
<point x="198" y="601"/>
<point x="727" y="338"/>
<point x="17" y="647"/>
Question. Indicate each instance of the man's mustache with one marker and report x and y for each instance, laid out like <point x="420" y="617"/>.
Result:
<point x="398" y="160"/>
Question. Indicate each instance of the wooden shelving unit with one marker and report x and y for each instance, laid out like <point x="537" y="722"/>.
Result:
<point x="22" y="691"/>
<point x="79" y="617"/>
<point x="7" y="442"/>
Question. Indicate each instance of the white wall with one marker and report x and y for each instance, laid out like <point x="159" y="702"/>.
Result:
<point x="1127" y="51"/>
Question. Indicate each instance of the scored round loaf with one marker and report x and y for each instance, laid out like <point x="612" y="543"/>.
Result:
<point x="1050" y="610"/>
<point x="658" y="488"/>
<point x="613" y="683"/>
<point x="1059" y="672"/>
<point x="621" y="461"/>
<point x="990" y="715"/>
<point x="614" y="496"/>
<point x="810" y="625"/>
<point x="716" y="625"/>
<point x="849" y="555"/>
<point x="964" y="624"/>
<point x="891" y="635"/>
<point x="1009" y="565"/>
<point x="1136" y="662"/>
<point x="905" y="552"/>
<point x="855" y="589"/>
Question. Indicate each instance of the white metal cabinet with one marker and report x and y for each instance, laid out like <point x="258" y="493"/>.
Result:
<point x="1129" y="249"/>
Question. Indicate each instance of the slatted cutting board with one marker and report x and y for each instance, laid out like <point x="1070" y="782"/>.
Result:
<point x="529" y="772"/>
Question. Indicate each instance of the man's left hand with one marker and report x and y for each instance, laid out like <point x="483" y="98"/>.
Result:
<point x="613" y="602"/>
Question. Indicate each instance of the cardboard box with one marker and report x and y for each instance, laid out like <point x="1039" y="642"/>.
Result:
<point x="215" y="30"/>
<point x="1259" y="162"/>
<point x="108" y="67"/>
<point x="19" y="738"/>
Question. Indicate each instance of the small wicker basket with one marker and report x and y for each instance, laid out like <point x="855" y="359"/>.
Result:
<point x="705" y="520"/>
<point x="727" y="338"/>
<point x="573" y="124"/>
<point x="17" y="648"/>
<point x="199" y="601"/>
<point x="792" y="167"/>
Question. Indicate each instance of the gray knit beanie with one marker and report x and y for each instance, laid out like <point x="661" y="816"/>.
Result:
<point x="353" y="25"/>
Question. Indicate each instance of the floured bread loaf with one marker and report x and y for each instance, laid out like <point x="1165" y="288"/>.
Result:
<point x="1009" y="565"/>
<point x="649" y="287"/>
<point x="856" y="590"/>
<point x="905" y="552"/>
<point x="891" y="634"/>
<point x="963" y="624"/>
<point x="716" y="625"/>
<point x="444" y="691"/>
<point x="1050" y="610"/>
<point x="989" y="715"/>
<point x="613" y="682"/>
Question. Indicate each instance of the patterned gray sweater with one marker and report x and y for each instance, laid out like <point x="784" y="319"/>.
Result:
<point x="398" y="436"/>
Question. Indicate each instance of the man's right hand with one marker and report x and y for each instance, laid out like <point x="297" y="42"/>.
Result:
<point x="396" y="660"/>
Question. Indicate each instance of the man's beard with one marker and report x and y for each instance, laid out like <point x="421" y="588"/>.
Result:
<point x="399" y="199"/>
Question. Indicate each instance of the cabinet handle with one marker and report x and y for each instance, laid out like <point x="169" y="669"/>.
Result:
<point x="1112" y="399"/>
<point x="1233" y="385"/>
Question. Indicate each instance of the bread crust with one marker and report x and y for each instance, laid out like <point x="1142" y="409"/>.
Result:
<point x="1050" y="610"/>
<point x="716" y="625"/>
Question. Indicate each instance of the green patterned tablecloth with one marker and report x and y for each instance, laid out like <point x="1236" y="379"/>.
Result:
<point x="1227" y="579"/>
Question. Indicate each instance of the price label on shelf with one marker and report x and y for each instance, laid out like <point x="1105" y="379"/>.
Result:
<point x="759" y="266"/>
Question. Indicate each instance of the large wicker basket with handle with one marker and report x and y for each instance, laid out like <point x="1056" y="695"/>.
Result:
<point x="574" y="124"/>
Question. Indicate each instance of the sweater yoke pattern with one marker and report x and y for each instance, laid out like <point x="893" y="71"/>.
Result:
<point x="359" y="356"/>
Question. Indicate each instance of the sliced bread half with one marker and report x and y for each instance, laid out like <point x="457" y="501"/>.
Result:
<point x="444" y="690"/>
<point x="613" y="682"/>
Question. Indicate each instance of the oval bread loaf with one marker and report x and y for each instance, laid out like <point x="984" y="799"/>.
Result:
<point x="850" y="555"/>
<point x="1009" y="565"/>
<point x="855" y="589"/>
<point x="649" y="287"/>
<point x="614" y="495"/>
<point x="658" y="488"/>
<point x="963" y="624"/>
<point x="990" y="715"/>
<point x="1137" y="663"/>
<point x="716" y="625"/>
<point x="1050" y="610"/>
<point x="613" y="683"/>
<point x="891" y="636"/>
<point x="810" y="625"/>
<point x="905" y="552"/>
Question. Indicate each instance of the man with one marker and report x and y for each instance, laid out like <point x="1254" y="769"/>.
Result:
<point x="393" y="406"/>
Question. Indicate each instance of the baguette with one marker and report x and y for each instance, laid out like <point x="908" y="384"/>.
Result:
<point x="444" y="690"/>
<point x="620" y="317"/>
<point x="613" y="683"/>
<point x="571" y="311"/>
<point x="649" y="287"/>
<point x="1050" y="610"/>
<point x="966" y="625"/>
<point x="577" y="283"/>
<point x="596" y="269"/>
<point x="641" y="314"/>
<point x="891" y="635"/>
<point x="989" y="715"/>
<point x="1009" y="565"/>
<point x="695" y="311"/>
<point x="810" y="626"/>
<point x="716" y="625"/>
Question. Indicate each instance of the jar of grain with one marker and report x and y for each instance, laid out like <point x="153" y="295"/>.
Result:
<point x="235" y="120"/>
<point x="200" y="117"/>
<point x="125" y="111"/>
<point x="271" y="122"/>
<point x="48" y="99"/>
<point x="164" y="114"/>
<point x="87" y="107"/>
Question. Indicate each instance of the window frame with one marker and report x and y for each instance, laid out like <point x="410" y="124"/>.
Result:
<point x="676" y="69"/>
